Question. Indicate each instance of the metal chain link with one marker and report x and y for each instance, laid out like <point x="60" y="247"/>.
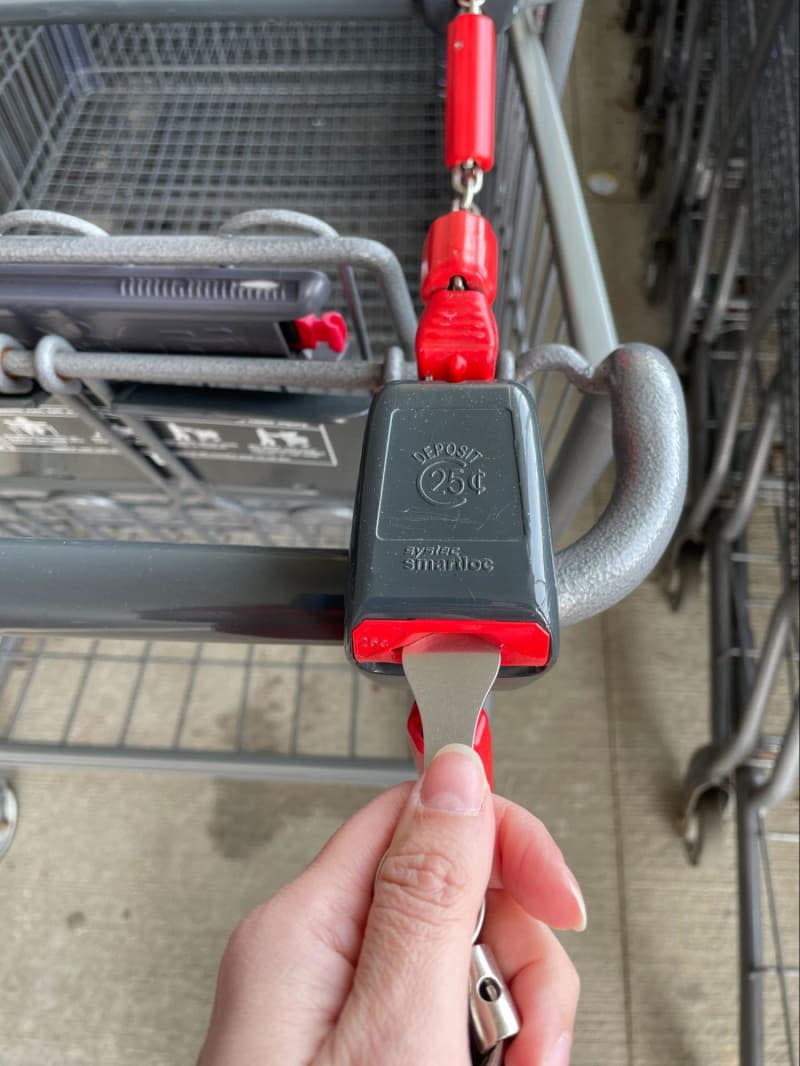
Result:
<point x="467" y="183"/>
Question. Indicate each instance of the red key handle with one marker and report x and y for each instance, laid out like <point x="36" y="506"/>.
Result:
<point x="457" y="338"/>
<point x="481" y="742"/>
<point x="469" y="99"/>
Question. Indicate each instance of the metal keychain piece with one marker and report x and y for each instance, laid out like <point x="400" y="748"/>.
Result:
<point x="493" y="1016"/>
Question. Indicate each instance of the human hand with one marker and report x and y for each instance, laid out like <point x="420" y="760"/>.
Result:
<point x="331" y="973"/>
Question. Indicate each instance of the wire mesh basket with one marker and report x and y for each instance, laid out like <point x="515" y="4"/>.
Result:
<point x="165" y="129"/>
<point x="175" y="128"/>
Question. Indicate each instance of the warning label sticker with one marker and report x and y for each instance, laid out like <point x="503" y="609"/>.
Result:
<point x="54" y="429"/>
<point x="253" y="440"/>
<point x="50" y="430"/>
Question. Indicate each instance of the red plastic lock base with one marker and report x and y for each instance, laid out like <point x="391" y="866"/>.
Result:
<point x="469" y="101"/>
<point x="481" y="742"/>
<point x="459" y="244"/>
<point x="381" y="640"/>
<point x="457" y="337"/>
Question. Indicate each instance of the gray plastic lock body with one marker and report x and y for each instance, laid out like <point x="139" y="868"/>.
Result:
<point x="451" y="524"/>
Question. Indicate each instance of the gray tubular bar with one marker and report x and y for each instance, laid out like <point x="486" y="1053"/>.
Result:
<point x="650" y="446"/>
<point x="17" y="12"/>
<point x="259" y="766"/>
<point x="782" y="781"/>
<point x="560" y="31"/>
<point x="218" y="370"/>
<point x="172" y="591"/>
<point x="734" y="524"/>
<point x="751" y="933"/>
<point x="744" y="741"/>
<point x="588" y="309"/>
<point x="321" y="252"/>
<point x="586" y="450"/>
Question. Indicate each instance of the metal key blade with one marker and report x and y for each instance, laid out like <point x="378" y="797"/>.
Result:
<point x="450" y="676"/>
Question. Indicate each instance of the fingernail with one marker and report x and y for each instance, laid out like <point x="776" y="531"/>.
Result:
<point x="559" y="1053"/>
<point x="454" y="782"/>
<point x="574" y="888"/>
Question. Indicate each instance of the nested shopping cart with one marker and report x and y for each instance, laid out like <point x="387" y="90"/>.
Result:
<point x="200" y="489"/>
<point x="726" y="227"/>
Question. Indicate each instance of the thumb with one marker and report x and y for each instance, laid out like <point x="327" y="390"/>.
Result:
<point x="409" y="997"/>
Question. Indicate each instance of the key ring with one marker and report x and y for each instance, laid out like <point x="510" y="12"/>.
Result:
<point x="479" y="923"/>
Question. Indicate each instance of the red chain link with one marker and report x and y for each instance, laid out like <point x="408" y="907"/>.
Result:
<point x="457" y="336"/>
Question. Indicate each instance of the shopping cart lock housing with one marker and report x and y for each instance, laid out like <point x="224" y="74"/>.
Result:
<point x="451" y="531"/>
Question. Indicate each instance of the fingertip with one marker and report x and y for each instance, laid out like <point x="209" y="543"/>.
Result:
<point x="583" y="918"/>
<point x="546" y="992"/>
<point x="561" y="1052"/>
<point x="455" y="782"/>
<point x="531" y="868"/>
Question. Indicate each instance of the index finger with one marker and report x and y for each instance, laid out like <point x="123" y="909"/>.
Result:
<point x="530" y="866"/>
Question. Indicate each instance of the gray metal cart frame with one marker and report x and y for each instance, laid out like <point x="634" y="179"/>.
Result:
<point x="551" y="290"/>
<point x="735" y="225"/>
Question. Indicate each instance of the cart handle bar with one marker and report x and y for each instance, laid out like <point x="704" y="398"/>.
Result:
<point x="225" y="592"/>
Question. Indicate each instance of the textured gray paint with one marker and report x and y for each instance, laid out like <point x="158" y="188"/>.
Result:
<point x="649" y="434"/>
<point x="223" y="370"/>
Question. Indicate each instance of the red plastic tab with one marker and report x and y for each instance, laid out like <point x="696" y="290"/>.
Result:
<point x="459" y="244"/>
<point x="481" y="742"/>
<point x="469" y="103"/>
<point x="381" y="640"/>
<point x="330" y="329"/>
<point x="457" y="337"/>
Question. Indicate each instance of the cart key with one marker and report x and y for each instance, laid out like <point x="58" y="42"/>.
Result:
<point x="451" y="676"/>
<point x="493" y="1017"/>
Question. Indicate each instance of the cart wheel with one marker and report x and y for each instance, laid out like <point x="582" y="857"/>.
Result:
<point x="647" y="162"/>
<point x="685" y="579"/>
<point x="641" y="74"/>
<point x="9" y="816"/>
<point x="657" y="272"/>
<point x="703" y="830"/>
<point x="631" y="15"/>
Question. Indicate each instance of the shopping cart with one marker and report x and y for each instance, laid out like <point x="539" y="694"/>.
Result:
<point x="735" y="282"/>
<point x="211" y="493"/>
